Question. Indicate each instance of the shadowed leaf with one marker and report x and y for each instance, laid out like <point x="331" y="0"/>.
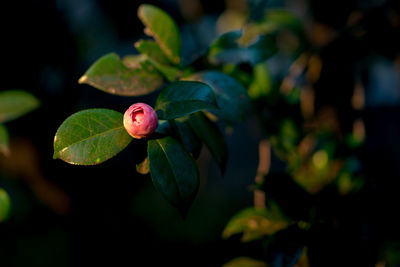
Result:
<point x="232" y="99"/>
<point x="182" y="98"/>
<point x="174" y="172"/>
<point x="212" y="137"/>
<point x="185" y="133"/>
<point x="15" y="103"/>
<point x="226" y="49"/>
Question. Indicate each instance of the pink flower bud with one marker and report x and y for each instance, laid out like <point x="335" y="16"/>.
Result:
<point x="140" y="120"/>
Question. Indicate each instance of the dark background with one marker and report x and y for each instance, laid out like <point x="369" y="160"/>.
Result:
<point x="64" y="215"/>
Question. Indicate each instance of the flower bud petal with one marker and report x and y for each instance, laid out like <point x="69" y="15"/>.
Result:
<point x="140" y="120"/>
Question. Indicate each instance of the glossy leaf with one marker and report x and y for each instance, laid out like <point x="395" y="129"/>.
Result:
<point x="232" y="99"/>
<point x="254" y="223"/>
<point x="183" y="130"/>
<point x="91" y="137"/>
<point x="111" y="75"/>
<point x="152" y="50"/>
<point x="245" y="262"/>
<point x="5" y="205"/>
<point x="15" y="103"/>
<point x="173" y="171"/>
<point x="183" y="98"/>
<point x="226" y="49"/>
<point x="164" y="30"/>
<point x="212" y="137"/>
<point x="4" y="140"/>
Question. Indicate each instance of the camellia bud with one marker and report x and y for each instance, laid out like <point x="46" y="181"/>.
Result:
<point x="140" y="120"/>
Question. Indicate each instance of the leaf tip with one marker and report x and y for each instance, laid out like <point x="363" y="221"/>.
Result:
<point x="83" y="79"/>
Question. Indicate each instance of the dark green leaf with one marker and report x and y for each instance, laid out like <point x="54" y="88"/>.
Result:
<point x="255" y="223"/>
<point x="245" y="262"/>
<point x="90" y="137"/>
<point x="152" y="50"/>
<point x="143" y="167"/>
<point x="226" y="49"/>
<point x="232" y="99"/>
<point x="5" y="205"/>
<point x="210" y="134"/>
<point x="15" y="103"/>
<point x="164" y="30"/>
<point x="4" y="140"/>
<point x="111" y="75"/>
<point x="173" y="171"/>
<point x="183" y="98"/>
<point x="187" y="135"/>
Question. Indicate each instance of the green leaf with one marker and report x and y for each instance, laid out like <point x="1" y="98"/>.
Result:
<point x="164" y="30"/>
<point x="134" y="61"/>
<point x="254" y="223"/>
<point x="245" y="262"/>
<point x="262" y="82"/>
<point x="183" y="131"/>
<point x="173" y="171"/>
<point x="227" y="49"/>
<point x="232" y="99"/>
<point x="4" y="139"/>
<point x="183" y="98"/>
<point x="170" y="73"/>
<point x="143" y="167"/>
<point x="15" y="103"/>
<point x="279" y="19"/>
<point x="5" y="205"/>
<point x="212" y="137"/>
<point x="152" y="50"/>
<point x="111" y="75"/>
<point x="91" y="137"/>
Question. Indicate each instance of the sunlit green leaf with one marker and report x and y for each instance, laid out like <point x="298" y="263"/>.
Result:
<point x="90" y="137"/>
<point x="143" y="167"/>
<point x="15" y="103"/>
<point x="164" y="30"/>
<point x="152" y="50"/>
<point x="226" y="49"/>
<point x="245" y="262"/>
<point x="5" y="205"/>
<point x="255" y="223"/>
<point x="173" y="171"/>
<point x="212" y="137"/>
<point x="182" y="98"/>
<point x="232" y="99"/>
<point x="111" y="75"/>
<point x="4" y="140"/>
